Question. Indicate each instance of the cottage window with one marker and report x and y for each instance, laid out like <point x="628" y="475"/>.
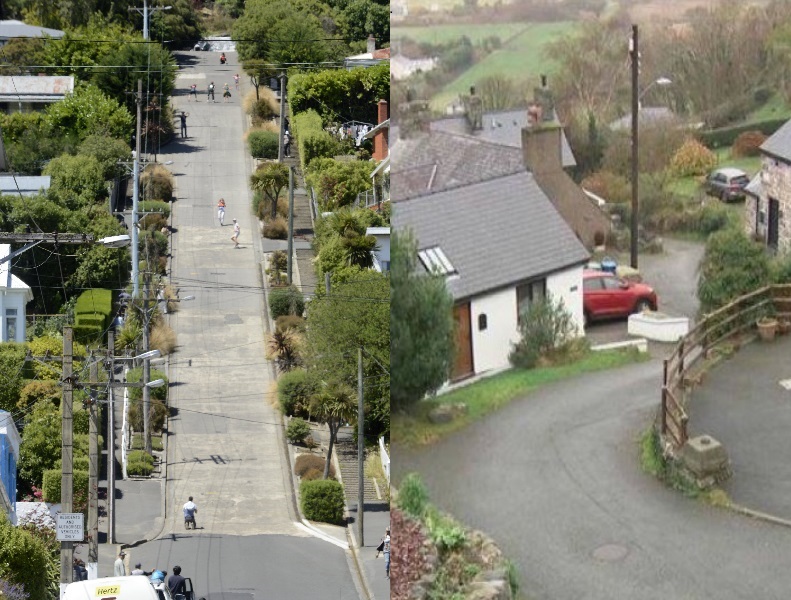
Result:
<point x="527" y="293"/>
<point x="482" y="324"/>
<point x="10" y="325"/>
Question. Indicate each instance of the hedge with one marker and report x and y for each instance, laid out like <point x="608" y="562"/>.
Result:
<point x="263" y="144"/>
<point x="92" y="301"/>
<point x="322" y="500"/>
<point x="139" y="469"/>
<point x="50" y="485"/>
<point x="340" y="95"/>
<point x="312" y="140"/>
<point x="294" y="391"/>
<point x="154" y="206"/>
<point x="25" y="560"/>
<point x="725" y="136"/>
<point x="140" y="456"/>
<point x="286" y="301"/>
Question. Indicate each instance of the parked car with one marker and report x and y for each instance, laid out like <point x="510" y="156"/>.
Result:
<point x="727" y="184"/>
<point x="605" y="295"/>
<point x="203" y="45"/>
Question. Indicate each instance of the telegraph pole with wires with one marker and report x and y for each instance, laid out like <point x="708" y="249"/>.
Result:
<point x="93" y="472"/>
<point x="136" y="195"/>
<point x="67" y="454"/>
<point x="282" y="116"/>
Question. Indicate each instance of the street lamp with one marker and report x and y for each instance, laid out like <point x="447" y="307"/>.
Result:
<point x="661" y="81"/>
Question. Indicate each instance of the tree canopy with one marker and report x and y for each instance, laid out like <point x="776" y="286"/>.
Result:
<point x="421" y="323"/>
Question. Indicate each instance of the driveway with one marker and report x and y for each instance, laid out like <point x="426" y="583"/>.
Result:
<point x="554" y="479"/>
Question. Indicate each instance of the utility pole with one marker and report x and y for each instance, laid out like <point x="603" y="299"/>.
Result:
<point x="93" y="474"/>
<point x="360" y="448"/>
<point x="67" y="454"/>
<point x="635" y="156"/>
<point x="289" y="265"/>
<point x="146" y="370"/>
<point x="111" y="441"/>
<point x="145" y="11"/>
<point x="282" y="116"/>
<point x="136" y="194"/>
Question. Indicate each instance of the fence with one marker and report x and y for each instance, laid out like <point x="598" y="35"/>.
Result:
<point x="385" y="458"/>
<point x="679" y="372"/>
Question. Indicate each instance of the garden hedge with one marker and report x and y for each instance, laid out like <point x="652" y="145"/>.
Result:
<point x="322" y="500"/>
<point x="51" y="484"/>
<point x="263" y="144"/>
<point x="725" y="136"/>
<point x="286" y="301"/>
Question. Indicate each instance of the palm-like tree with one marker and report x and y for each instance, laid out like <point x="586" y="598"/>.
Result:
<point x="270" y="179"/>
<point x="283" y="347"/>
<point x="359" y="249"/>
<point x="334" y="404"/>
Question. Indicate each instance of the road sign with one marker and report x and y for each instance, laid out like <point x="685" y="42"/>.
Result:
<point x="71" y="527"/>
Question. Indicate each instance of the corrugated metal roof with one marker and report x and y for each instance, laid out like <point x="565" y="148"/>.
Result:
<point x="495" y="233"/>
<point x="27" y="185"/>
<point x="25" y="87"/>
<point x="11" y="29"/>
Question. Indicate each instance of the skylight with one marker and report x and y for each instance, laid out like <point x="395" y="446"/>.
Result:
<point x="435" y="261"/>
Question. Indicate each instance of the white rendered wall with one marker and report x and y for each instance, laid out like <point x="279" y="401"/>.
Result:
<point x="567" y="286"/>
<point x="490" y="348"/>
<point x="13" y="298"/>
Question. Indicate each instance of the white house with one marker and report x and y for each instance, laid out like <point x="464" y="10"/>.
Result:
<point x="14" y="296"/>
<point x="382" y="251"/>
<point x="26" y="93"/>
<point x="482" y="220"/>
<point x="9" y="457"/>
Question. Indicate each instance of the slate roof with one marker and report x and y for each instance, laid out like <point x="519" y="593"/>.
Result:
<point x="502" y="127"/>
<point x="430" y="163"/>
<point x="779" y="143"/>
<point x="12" y="29"/>
<point x="755" y="187"/>
<point x="496" y="233"/>
<point x="9" y="280"/>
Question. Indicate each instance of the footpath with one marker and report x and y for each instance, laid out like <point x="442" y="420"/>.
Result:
<point x="204" y="263"/>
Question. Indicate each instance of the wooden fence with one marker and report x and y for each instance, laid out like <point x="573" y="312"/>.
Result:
<point x="682" y="366"/>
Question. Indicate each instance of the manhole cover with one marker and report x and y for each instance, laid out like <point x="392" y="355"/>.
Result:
<point x="610" y="552"/>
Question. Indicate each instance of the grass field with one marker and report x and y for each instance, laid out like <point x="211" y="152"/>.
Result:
<point x="521" y="57"/>
<point x="691" y="187"/>
<point x="775" y="108"/>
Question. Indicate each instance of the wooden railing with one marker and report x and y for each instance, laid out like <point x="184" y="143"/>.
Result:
<point x="681" y="367"/>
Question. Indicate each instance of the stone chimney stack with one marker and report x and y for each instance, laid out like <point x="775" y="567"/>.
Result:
<point x="371" y="43"/>
<point x="382" y="137"/>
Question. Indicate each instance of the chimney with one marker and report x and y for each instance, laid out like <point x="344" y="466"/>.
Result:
<point x="414" y="118"/>
<point x="473" y="109"/>
<point x="371" y="43"/>
<point x="381" y="138"/>
<point x="541" y="149"/>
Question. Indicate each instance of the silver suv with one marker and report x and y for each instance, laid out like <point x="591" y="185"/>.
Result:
<point x="727" y="184"/>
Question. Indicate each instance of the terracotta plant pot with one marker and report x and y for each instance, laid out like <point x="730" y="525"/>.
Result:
<point x="767" y="327"/>
<point x="783" y="326"/>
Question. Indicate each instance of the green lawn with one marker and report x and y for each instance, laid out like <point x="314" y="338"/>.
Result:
<point x="522" y="58"/>
<point x="777" y="107"/>
<point x="443" y="34"/>
<point x="691" y="187"/>
<point x="487" y="395"/>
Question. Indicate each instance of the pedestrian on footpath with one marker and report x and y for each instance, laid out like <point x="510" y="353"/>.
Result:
<point x="221" y="211"/>
<point x="236" y="81"/>
<point x="183" y="118"/>
<point x="119" y="569"/>
<point x="287" y="144"/>
<point x="226" y="93"/>
<point x="176" y="583"/>
<point x="193" y="92"/>
<point x="386" y="550"/>
<point x="236" y="231"/>
<point x="210" y="92"/>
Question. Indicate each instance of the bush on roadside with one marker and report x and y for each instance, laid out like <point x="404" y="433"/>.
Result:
<point x="263" y="144"/>
<point x="322" y="500"/>
<point x="279" y="260"/>
<point x="140" y="456"/>
<point x="139" y="469"/>
<point x="157" y="183"/>
<point x="313" y="474"/>
<point x="261" y="111"/>
<point x="294" y="391"/>
<point x="276" y="229"/>
<point x="545" y="327"/>
<point x="293" y="322"/>
<point x="297" y="430"/>
<point x="413" y="496"/>
<point x="286" y="301"/>
<point x="308" y="462"/>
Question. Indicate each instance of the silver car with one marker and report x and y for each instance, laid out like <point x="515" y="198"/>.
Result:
<point x="727" y="184"/>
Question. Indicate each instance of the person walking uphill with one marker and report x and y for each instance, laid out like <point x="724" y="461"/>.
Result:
<point x="210" y="92"/>
<point x="236" y="231"/>
<point x="221" y="211"/>
<point x="119" y="569"/>
<point x="183" y="118"/>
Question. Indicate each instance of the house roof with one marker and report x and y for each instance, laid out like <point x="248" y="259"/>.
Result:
<point x="9" y="281"/>
<point x="500" y="127"/>
<point x="755" y="187"/>
<point x="12" y="29"/>
<point x="32" y="88"/>
<point x="381" y="127"/>
<point x="779" y="143"/>
<point x="512" y="236"/>
<point x="427" y="163"/>
<point x="26" y="185"/>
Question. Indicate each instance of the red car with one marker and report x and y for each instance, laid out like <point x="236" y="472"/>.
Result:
<point x="605" y="295"/>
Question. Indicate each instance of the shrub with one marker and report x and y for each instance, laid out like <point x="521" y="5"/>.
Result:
<point x="51" y="481"/>
<point x="293" y="322"/>
<point x="610" y="186"/>
<point x="294" y="391"/>
<point x="279" y="260"/>
<point x="263" y="144"/>
<point x="413" y="496"/>
<point x="719" y="138"/>
<point x="312" y="474"/>
<point x="140" y="456"/>
<point x="261" y="111"/>
<point x="286" y="301"/>
<point x="276" y="229"/>
<point x="546" y="326"/>
<point x="297" y="430"/>
<point x="157" y="183"/>
<point x="748" y="144"/>
<point x="163" y="338"/>
<point x="139" y="469"/>
<point x="322" y="500"/>
<point x="307" y="462"/>
<point x="693" y="158"/>
<point x="28" y="564"/>
<point x="156" y="419"/>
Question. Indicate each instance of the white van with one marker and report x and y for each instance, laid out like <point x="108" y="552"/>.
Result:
<point x="131" y="587"/>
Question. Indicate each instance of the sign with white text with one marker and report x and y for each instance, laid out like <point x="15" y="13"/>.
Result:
<point x="71" y="527"/>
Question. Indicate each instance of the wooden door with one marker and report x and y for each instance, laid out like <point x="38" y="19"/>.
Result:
<point x="463" y="366"/>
